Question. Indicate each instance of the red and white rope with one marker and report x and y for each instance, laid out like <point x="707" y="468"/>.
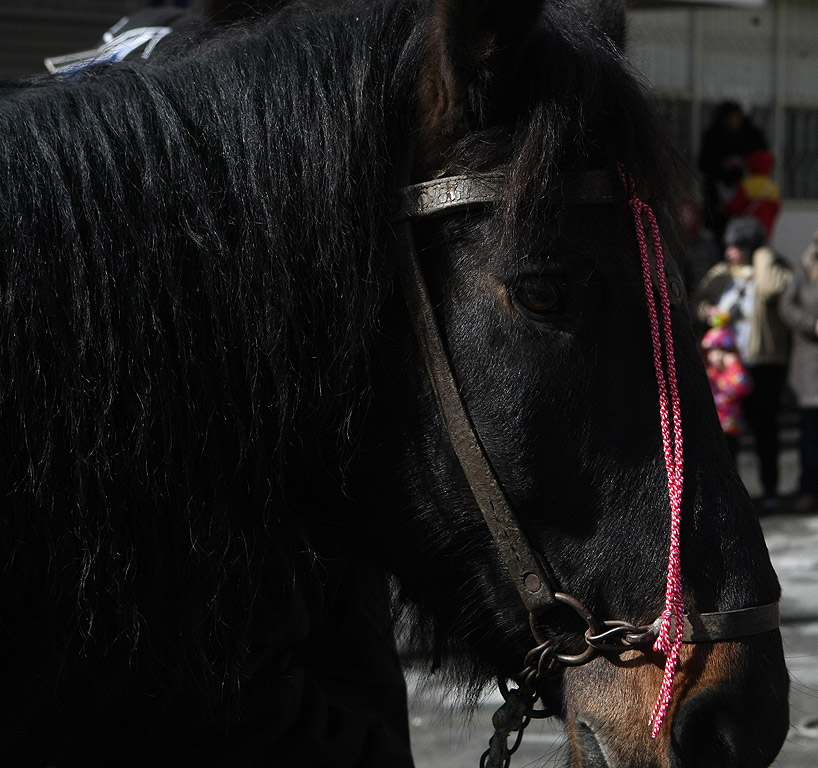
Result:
<point x="669" y="641"/>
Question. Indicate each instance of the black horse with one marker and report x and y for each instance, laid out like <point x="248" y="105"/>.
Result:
<point x="220" y="439"/>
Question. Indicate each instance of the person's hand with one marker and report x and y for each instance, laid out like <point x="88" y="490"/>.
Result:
<point x="717" y="317"/>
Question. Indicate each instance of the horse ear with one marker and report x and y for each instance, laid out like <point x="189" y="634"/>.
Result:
<point x="474" y="49"/>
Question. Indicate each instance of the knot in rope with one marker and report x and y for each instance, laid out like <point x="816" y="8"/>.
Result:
<point x="669" y="640"/>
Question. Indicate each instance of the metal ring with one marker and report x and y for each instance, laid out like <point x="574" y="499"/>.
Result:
<point x="600" y="636"/>
<point x="593" y="624"/>
<point x="576" y="659"/>
<point x="594" y="628"/>
<point x="619" y="636"/>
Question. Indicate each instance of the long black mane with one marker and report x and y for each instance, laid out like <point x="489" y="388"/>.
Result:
<point x="195" y="254"/>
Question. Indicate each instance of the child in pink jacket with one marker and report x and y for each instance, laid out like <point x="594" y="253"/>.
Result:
<point x="729" y="381"/>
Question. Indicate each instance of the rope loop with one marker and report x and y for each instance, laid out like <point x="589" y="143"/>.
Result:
<point x="669" y="640"/>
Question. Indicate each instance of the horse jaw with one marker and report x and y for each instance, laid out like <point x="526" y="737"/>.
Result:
<point x="717" y="717"/>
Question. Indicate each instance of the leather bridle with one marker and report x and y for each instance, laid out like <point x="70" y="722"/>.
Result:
<point x="528" y="569"/>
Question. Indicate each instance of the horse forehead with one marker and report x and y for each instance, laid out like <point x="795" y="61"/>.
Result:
<point x="559" y="248"/>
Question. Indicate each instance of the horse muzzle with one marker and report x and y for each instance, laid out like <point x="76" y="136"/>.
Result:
<point x="729" y="709"/>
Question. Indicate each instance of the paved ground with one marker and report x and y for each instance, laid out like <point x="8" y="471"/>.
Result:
<point x="442" y="740"/>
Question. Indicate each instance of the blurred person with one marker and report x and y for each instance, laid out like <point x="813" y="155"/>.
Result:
<point x="757" y="194"/>
<point x="700" y="246"/>
<point x="799" y="310"/>
<point x="730" y="137"/>
<point x="729" y="381"/>
<point x="742" y="292"/>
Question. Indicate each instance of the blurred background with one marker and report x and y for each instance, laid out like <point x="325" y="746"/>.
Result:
<point x="761" y="54"/>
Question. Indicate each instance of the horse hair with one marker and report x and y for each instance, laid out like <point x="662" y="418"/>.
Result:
<point x="195" y="257"/>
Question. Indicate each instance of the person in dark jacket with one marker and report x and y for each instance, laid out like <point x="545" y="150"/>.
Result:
<point x="729" y="139"/>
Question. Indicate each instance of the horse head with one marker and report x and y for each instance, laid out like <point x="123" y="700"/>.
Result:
<point x="541" y="151"/>
<point x="219" y="413"/>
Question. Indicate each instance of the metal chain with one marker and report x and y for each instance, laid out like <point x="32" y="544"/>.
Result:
<point x="518" y="708"/>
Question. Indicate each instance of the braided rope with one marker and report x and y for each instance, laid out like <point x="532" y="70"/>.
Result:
<point x="669" y="640"/>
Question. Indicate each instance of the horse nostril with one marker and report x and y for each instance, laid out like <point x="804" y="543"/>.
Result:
<point x="710" y="731"/>
<point x="588" y="745"/>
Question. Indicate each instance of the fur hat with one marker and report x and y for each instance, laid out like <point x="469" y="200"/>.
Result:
<point x="745" y="232"/>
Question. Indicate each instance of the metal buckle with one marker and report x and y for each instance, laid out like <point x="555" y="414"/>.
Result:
<point x="600" y="636"/>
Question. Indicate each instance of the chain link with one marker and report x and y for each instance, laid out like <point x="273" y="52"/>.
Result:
<point x="519" y="707"/>
<point x="618" y="636"/>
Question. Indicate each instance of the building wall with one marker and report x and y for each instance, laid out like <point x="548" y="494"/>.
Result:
<point x="764" y="58"/>
<point x="691" y="58"/>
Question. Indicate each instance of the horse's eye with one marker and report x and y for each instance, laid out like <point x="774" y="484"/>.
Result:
<point x="537" y="297"/>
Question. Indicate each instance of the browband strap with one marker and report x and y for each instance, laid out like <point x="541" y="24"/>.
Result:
<point x="446" y="194"/>
<point x="429" y="198"/>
